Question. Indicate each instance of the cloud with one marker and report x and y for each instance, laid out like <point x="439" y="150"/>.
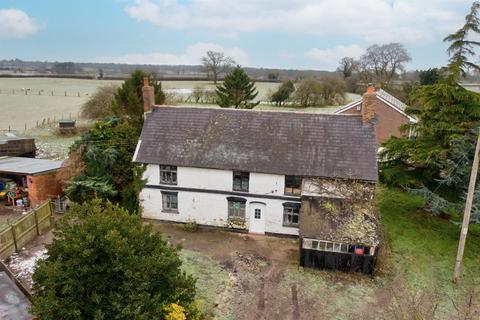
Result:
<point x="16" y="23"/>
<point x="191" y="56"/>
<point x="327" y="59"/>
<point x="408" y="21"/>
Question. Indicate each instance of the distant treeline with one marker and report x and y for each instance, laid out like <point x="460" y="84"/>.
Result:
<point x="112" y="71"/>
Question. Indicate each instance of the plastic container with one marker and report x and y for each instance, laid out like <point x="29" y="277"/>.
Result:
<point x="359" y="250"/>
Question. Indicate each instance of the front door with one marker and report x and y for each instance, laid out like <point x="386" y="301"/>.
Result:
<point x="257" y="218"/>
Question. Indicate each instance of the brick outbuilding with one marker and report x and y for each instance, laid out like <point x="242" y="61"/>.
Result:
<point x="38" y="176"/>
<point x="387" y="112"/>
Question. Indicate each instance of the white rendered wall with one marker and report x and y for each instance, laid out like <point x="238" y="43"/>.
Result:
<point x="212" y="208"/>
<point x="262" y="183"/>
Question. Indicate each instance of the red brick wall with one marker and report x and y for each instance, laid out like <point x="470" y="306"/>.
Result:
<point x="42" y="187"/>
<point x="389" y="120"/>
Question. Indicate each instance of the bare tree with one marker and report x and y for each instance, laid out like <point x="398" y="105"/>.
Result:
<point x="385" y="61"/>
<point x="216" y="63"/>
<point x="347" y="66"/>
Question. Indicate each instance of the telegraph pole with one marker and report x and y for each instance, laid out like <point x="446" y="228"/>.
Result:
<point x="466" y="214"/>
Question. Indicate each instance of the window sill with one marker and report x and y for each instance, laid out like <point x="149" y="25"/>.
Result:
<point x="168" y="183"/>
<point x="170" y="211"/>
<point x="290" y="226"/>
<point x="236" y="190"/>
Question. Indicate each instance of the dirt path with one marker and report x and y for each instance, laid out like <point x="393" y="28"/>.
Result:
<point x="258" y="264"/>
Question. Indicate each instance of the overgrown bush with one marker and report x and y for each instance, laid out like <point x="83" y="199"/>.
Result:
<point x="190" y="226"/>
<point x="200" y="94"/>
<point x="312" y="92"/>
<point x="283" y="93"/>
<point x="100" y="104"/>
<point x="105" y="264"/>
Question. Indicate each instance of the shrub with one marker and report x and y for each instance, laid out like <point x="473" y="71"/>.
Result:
<point x="190" y="226"/>
<point x="99" y="105"/>
<point x="104" y="264"/>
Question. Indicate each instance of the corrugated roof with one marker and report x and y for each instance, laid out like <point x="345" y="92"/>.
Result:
<point x="305" y="144"/>
<point x="27" y="166"/>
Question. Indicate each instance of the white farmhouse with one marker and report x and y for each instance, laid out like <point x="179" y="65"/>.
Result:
<point x="244" y="169"/>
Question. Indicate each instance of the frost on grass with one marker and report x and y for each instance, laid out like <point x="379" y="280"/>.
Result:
<point x="23" y="264"/>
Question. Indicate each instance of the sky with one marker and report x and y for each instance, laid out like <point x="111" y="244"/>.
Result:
<point x="287" y="34"/>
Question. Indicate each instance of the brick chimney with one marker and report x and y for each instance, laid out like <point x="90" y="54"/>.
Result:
<point x="148" y="96"/>
<point x="368" y="104"/>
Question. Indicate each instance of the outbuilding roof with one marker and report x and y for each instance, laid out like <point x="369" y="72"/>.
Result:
<point x="387" y="98"/>
<point x="287" y="143"/>
<point x="27" y="166"/>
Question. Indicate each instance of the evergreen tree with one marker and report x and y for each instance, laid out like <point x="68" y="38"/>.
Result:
<point x="129" y="98"/>
<point x="104" y="264"/>
<point x="106" y="153"/>
<point x="237" y="90"/>
<point x="107" y="149"/>
<point x="436" y="163"/>
<point x="462" y="47"/>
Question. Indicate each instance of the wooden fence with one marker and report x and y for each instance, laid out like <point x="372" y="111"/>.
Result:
<point x="19" y="233"/>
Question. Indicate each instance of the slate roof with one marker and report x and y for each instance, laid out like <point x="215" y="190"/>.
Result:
<point x="385" y="97"/>
<point x="290" y="143"/>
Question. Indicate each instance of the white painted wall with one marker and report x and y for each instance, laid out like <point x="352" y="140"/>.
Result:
<point x="262" y="183"/>
<point x="212" y="208"/>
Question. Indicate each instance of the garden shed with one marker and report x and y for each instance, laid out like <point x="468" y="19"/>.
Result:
<point x="34" y="180"/>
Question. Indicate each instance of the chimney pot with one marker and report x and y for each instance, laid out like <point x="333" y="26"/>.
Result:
<point x="370" y="88"/>
<point x="145" y="82"/>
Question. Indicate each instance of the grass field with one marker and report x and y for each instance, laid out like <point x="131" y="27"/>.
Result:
<point x="20" y="109"/>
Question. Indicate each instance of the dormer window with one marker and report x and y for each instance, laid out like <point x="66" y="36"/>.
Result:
<point x="168" y="174"/>
<point x="240" y="181"/>
<point x="293" y="185"/>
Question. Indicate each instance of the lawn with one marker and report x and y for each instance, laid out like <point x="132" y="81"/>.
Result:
<point x="423" y="250"/>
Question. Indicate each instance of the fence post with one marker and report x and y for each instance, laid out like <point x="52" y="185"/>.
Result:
<point x="14" y="237"/>
<point x="36" y="222"/>
<point x="52" y="210"/>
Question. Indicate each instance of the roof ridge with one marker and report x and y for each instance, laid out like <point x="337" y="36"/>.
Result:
<point x="156" y="107"/>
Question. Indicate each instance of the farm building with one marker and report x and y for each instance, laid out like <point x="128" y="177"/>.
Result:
<point x="13" y="146"/>
<point x="389" y="111"/>
<point x="28" y="179"/>
<point x="265" y="173"/>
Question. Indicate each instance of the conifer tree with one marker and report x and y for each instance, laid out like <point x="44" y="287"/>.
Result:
<point x="462" y="46"/>
<point x="433" y="164"/>
<point x="237" y="91"/>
